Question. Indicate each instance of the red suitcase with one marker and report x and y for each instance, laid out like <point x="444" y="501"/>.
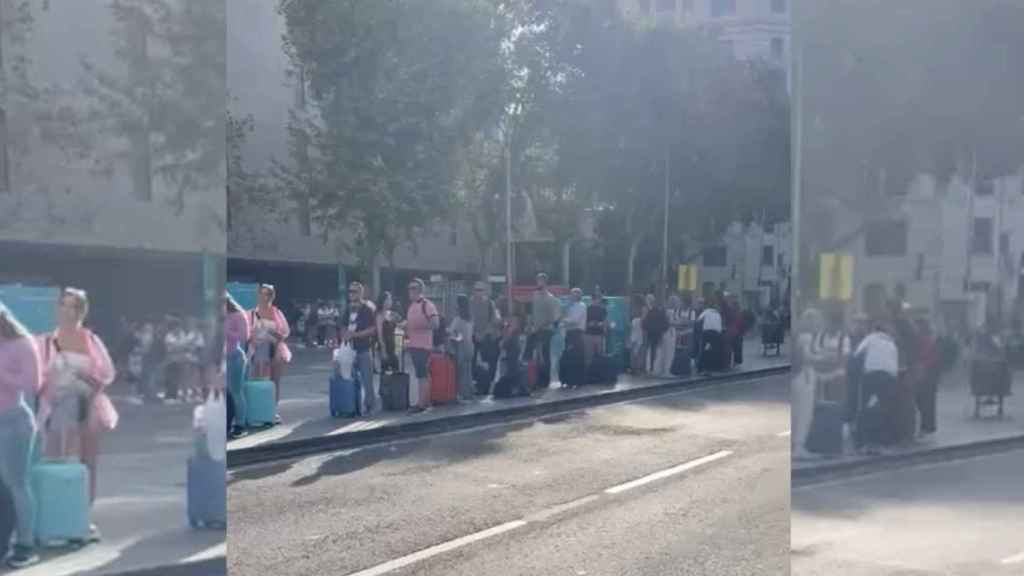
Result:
<point x="443" y="385"/>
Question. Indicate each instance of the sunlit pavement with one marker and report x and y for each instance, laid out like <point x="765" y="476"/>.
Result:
<point x="304" y="400"/>
<point x="690" y="483"/>
<point x="955" y="519"/>
<point x="141" y="506"/>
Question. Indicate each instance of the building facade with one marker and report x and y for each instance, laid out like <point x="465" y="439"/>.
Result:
<point x="752" y="29"/>
<point x="956" y="252"/>
<point x="751" y="260"/>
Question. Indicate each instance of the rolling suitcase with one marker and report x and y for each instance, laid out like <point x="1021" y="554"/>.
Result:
<point x="826" y="435"/>
<point x="602" y="371"/>
<point x="207" y="498"/>
<point x="260" y="404"/>
<point x="394" y="391"/>
<point x="443" y="388"/>
<point x="344" y="397"/>
<point x="61" y="490"/>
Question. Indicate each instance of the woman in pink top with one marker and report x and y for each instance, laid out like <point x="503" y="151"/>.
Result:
<point x="74" y="408"/>
<point x="236" y="337"/>
<point x="20" y="382"/>
<point x="268" y="352"/>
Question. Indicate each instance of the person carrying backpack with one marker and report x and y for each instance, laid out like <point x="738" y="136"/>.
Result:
<point x="421" y="323"/>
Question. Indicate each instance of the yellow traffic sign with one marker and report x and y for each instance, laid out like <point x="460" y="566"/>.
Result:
<point x="687" y="278"/>
<point x="835" y="279"/>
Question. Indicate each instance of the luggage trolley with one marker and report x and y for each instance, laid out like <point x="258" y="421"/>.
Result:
<point x="990" y="381"/>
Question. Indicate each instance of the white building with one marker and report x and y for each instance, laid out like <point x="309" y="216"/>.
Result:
<point x="750" y="260"/>
<point x="753" y="29"/>
<point x="958" y="255"/>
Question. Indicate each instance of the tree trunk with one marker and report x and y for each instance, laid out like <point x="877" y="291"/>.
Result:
<point x="634" y="247"/>
<point x="374" y="286"/>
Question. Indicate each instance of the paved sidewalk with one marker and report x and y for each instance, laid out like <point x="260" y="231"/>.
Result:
<point x="141" y="505"/>
<point x="304" y="402"/>
<point x="956" y="424"/>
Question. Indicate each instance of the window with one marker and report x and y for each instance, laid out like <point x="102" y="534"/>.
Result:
<point x="715" y="256"/>
<point x="687" y="7"/>
<point x="720" y="8"/>
<point x="779" y="6"/>
<point x="5" y="177"/>
<point x="453" y="237"/>
<point x="777" y="48"/>
<point x="919" y="269"/>
<point x="666" y="6"/>
<point x="1004" y="244"/>
<point x="981" y="237"/>
<point x="886" y="238"/>
<point x="987" y="187"/>
<point x="782" y="262"/>
<point x="767" y="256"/>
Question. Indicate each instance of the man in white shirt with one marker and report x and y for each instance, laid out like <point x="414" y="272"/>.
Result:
<point x="878" y="356"/>
<point x="575" y="322"/>
<point x="710" y="355"/>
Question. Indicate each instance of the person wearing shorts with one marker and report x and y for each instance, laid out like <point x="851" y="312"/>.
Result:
<point x="421" y="320"/>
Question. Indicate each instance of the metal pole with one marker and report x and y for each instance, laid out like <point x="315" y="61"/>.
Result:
<point x="508" y="221"/>
<point x="664" y="238"/>
<point x="797" y="175"/>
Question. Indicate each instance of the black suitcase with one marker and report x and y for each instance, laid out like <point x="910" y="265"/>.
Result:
<point x="394" y="391"/>
<point x="511" y="386"/>
<point x="602" y="371"/>
<point x="826" y="436"/>
<point x="681" y="363"/>
<point x="571" y="370"/>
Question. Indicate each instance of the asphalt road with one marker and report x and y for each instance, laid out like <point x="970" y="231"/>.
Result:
<point x="960" y="518"/>
<point x="571" y="495"/>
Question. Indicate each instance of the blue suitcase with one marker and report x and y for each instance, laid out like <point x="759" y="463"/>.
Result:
<point x="207" y="497"/>
<point x="344" y="397"/>
<point x="61" y="490"/>
<point x="260" y="404"/>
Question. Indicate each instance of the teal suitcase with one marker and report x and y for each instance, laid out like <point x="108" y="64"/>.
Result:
<point x="61" y="491"/>
<point x="260" y="405"/>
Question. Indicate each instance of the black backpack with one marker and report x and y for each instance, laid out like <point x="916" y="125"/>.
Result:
<point x="441" y="332"/>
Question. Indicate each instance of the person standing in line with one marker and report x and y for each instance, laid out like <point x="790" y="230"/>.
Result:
<point x="696" y="338"/>
<point x="929" y="369"/>
<point x="323" y="318"/>
<point x="461" y="336"/>
<point x="879" y="357"/>
<point x="486" y="331"/>
<point x="360" y="331"/>
<point x="268" y="352"/>
<point x="805" y="381"/>
<point x="637" y="346"/>
<point x="596" y="337"/>
<point x="20" y="383"/>
<point x="655" y="326"/>
<point x="236" y="335"/>
<point x="387" y="324"/>
<point x="421" y="320"/>
<point x="74" y="406"/>
<point x="546" y="314"/>
<point x="736" y="328"/>
<point x="575" y="325"/>
<point x="677" y="320"/>
<point x="711" y="354"/>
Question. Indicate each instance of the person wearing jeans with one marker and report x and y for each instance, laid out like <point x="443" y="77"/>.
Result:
<point x="360" y="329"/>
<point x="547" y="311"/>
<point x="20" y="382"/>
<point x="236" y="334"/>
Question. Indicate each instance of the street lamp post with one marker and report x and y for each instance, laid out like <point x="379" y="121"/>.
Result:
<point x="508" y="221"/>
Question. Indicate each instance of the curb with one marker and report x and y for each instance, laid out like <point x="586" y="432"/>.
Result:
<point x="211" y="567"/>
<point x="276" y="451"/>
<point x="851" y="469"/>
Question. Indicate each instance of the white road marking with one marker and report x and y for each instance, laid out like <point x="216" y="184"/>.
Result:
<point x="1016" y="559"/>
<point x="669" y="472"/>
<point x="440" y="549"/>
<point x="541" y="516"/>
<point x="785" y="434"/>
<point x="218" y="551"/>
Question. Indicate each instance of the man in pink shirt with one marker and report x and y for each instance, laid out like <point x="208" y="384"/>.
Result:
<point x="421" y="320"/>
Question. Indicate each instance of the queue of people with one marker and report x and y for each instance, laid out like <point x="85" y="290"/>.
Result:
<point x="881" y="374"/>
<point x="53" y="403"/>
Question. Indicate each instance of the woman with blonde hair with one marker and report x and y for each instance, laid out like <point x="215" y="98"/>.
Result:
<point x="74" y="407"/>
<point x="268" y="352"/>
<point x="20" y="382"/>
